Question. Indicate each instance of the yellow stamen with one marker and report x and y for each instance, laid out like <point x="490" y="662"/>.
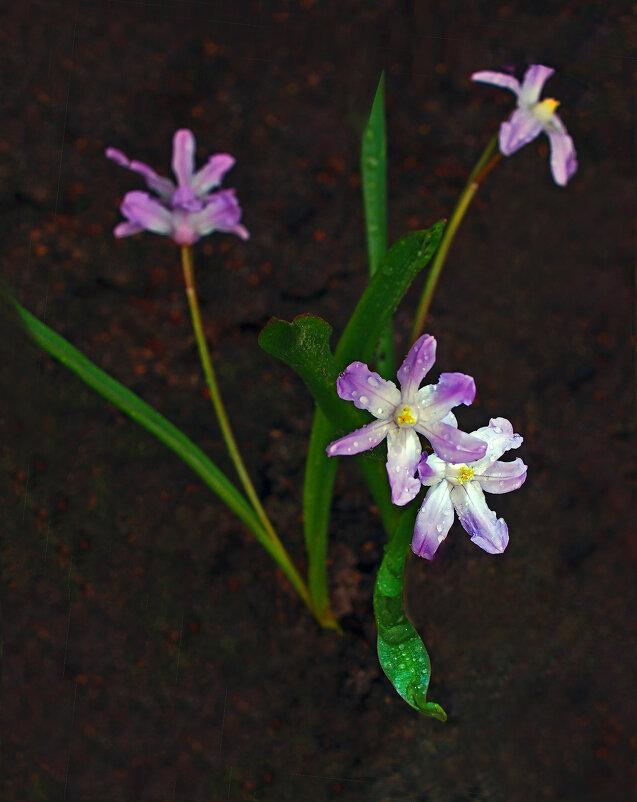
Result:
<point x="546" y="108"/>
<point x="406" y="418"/>
<point x="465" y="475"/>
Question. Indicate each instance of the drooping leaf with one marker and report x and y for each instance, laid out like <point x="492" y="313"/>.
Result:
<point x="401" y="652"/>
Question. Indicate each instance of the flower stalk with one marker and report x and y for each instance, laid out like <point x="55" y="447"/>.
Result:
<point x="275" y="547"/>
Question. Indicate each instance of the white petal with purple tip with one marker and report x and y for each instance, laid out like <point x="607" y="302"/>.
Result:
<point x="563" y="156"/>
<point x="415" y="367"/>
<point x="521" y="129"/>
<point x="431" y="469"/>
<point x="142" y="210"/>
<point x="451" y="444"/>
<point x="360" y="440"/>
<point x="534" y="79"/>
<point x="499" y="437"/>
<point x="486" y="529"/>
<point x="433" y="521"/>
<point x="210" y="176"/>
<point x="497" y="79"/>
<point x="502" y="477"/>
<point x="435" y="401"/>
<point x="403" y="456"/>
<point x="368" y="390"/>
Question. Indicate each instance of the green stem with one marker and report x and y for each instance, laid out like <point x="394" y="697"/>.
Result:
<point x="276" y="548"/>
<point x="485" y="164"/>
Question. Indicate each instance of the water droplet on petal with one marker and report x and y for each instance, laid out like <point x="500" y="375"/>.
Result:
<point x="379" y="410"/>
<point x="497" y="429"/>
<point x="372" y="381"/>
<point x="363" y="399"/>
<point x="355" y="444"/>
<point x="438" y="527"/>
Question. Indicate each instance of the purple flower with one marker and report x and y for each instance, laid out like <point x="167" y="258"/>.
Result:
<point x="533" y="116"/>
<point x="403" y="413"/>
<point x="188" y="210"/>
<point x="461" y="487"/>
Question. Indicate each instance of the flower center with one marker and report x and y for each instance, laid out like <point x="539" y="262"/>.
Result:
<point x="545" y="110"/>
<point x="465" y="475"/>
<point x="406" y="417"/>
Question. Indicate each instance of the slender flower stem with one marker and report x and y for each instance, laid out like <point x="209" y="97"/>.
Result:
<point x="485" y="164"/>
<point x="275" y="546"/>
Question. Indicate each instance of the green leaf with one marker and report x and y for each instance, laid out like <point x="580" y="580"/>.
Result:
<point x="401" y="652"/>
<point x="150" y="419"/>
<point x="374" y="186"/>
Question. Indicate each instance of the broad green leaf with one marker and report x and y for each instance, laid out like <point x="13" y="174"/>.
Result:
<point x="374" y="185"/>
<point x="401" y="652"/>
<point x="150" y="419"/>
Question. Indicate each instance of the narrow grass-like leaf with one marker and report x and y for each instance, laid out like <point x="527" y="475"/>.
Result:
<point x="401" y="652"/>
<point x="150" y="419"/>
<point x="374" y="185"/>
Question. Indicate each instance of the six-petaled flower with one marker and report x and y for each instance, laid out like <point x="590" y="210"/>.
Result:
<point x="461" y="487"/>
<point x="185" y="211"/>
<point x="533" y="116"/>
<point x="405" y="413"/>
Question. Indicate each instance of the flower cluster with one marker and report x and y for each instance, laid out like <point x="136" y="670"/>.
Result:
<point x="185" y="211"/>
<point x="462" y="465"/>
<point x="532" y="117"/>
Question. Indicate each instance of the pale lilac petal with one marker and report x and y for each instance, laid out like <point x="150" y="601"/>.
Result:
<point x="431" y="469"/>
<point x="142" y="210"/>
<point x="499" y="437"/>
<point x="211" y="176"/>
<point x="403" y="455"/>
<point x="497" y="79"/>
<point x="417" y="364"/>
<point x="126" y="230"/>
<point x="164" y="187"/>
<point x="221" y="213"/>
<point x="451" y="444"/>
<point x="563" y="156"/>
<point x="368" y="390"/>
<point x="502" y="477"/>
<point x="451" y="419"/>
<point x="360" y="440"/>
<point x="534" y="79"/>
<point x="433" y="521"/>
<point x="183" y="156"/>
<point x="521" y="129"/>
<point x="435" y="401"/>
<point x="486" y="530"/>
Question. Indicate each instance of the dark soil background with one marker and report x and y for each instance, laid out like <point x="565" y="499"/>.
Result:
<point x="152" y="650"/>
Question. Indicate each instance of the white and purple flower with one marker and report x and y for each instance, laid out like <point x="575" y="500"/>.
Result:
<point x="403" y="414"/>
<point x="533" y="116"/>
<point x="185" y="211"/>
<point x="460" y="488"/>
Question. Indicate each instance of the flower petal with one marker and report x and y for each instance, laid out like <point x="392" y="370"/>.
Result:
<point x="433" y="521"/>
<point x="435" y="401"/>
<point x="360" y="440"/>
<point x="403" y="455"/>
<point x="486" y="530"/>
<point x="499" y="437"/>
<point x="126" y="230"/>
<point x="221" y="213"/>
<point x="368" y="390"/>
<point x="164" y="187"/>
<point x="211" y="175"/>
<point x="497" y="79"/>
<point x="431" y="469"/>
<point x="502" y="477"/>
<point x="142" y="210"/>
<point x="451" y="444"/>
<point x="183" y="156"/>
<point x="534" y="79"/>
<point x="521" y="129"/>
<point x="416" y="365"/>
<point x="563" y="156"/>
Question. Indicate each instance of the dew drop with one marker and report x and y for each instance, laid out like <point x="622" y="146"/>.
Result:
<point x="372" y="381"/>
<point x="438" y="528"/>
<point x="363" y="399"/>
<point x="497" y="429"/>
<point x="379" y="410"/>
<point x="355" y="444"/>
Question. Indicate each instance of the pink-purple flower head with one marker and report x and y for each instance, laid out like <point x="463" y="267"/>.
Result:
<point x="187" y="210"/>
<point x="404" y="414"/>
<point x="533" y="116"/>
<point x="460" y="488"/>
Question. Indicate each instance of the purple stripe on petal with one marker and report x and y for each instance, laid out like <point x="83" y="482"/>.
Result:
<point x="499" y="437"/>
<point x="451" y="444"/>
<point x="403" y="455"/>
<point x="433" y="521"/>
<point x="210" y="176"/>
<point x="361" y="440"/>
<point x="502" y="477"/>
<point x="431" y="469"/>
<point x="563" y="156"/>
<point x="435" y="401"/>
<point x="142" y="210"/>
<point x="521" y="129"/>
<point x="183" y="162"/>
<point x="416" y="365"/>
<point x="368" y="390"/>
<point x="497" y="79"/>
<point x="534" y="79"/>
<point x="486" y="530"/>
